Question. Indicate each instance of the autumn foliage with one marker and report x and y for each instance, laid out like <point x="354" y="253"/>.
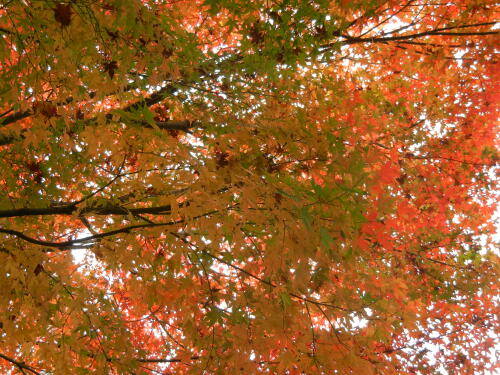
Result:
<point x="248" y="187"/>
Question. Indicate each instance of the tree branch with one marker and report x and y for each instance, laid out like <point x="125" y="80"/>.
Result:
<point x="15" y="117"/>
<point x="436" y="32"/>
<point x="155" y="98"/>
<point x="71" y="208"/>
<point x="7" y="138"/>
<point x="355" y="40"/>
<point x="20" y="365"/>
<point x="164" y="360"/>
<point x="20" y="115"/>
<point x="68" y="245"/>
<point x="109" y="208"/>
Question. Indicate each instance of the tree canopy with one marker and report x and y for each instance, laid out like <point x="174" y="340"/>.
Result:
<point x="248" y="187"/>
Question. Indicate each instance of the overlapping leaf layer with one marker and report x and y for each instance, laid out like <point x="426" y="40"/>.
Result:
<point x="248" y="187"/>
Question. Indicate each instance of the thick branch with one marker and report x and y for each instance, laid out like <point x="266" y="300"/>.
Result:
<point x="155" y="98"/>
<point x="354" y="40"/>
<point x="436" y="32"/>
<point x="20" y="115"/>
<point x="108" y="208"/>
<point x="20" y="365"/>
<point x="68" y="245"/>
<point x="7" y="138"/>
<point x="183" y="125"/>
<point x="15" y="117"/>
<point x="70" y="209"/>
<point x="165" y="360"/>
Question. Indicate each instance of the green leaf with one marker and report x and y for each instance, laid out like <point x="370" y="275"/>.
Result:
<point x="149" y="117"/>
<point x="285" y="299"/>
<point x="306" y="217"/>
<point x="325" y="237"/>
<point x="214" y="315"/>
